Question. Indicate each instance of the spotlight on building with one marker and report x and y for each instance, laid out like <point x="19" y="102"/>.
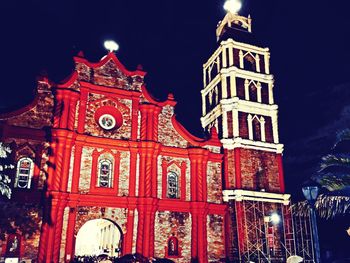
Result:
<point x="275" y="218"/>
<point x="111" y="45"/>
<point x="233" y="6"/>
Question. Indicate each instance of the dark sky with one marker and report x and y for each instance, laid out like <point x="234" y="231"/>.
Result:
<point x="309" y="42"/>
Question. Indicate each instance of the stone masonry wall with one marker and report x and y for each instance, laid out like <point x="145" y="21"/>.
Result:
<point x="231" y="170"/>
<point x="167" y="135"/>
<point x="215" y="236"/>
<point x="85" y="169"/>
<point x="167" y="224"/>
<point x="123" y="105"/>
<point x="214" y="182"/>
<point x="259" y="166"/>
<point x="40" y="115"/>
<point x="124" y="172"/>
<point x="86" y="213"/>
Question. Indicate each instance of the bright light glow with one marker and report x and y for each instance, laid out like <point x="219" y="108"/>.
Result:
<point x="233" y="6"/>
<point x="275" y="218"/>
<point x="111" y="45"/>
<point x="348" y="231"/>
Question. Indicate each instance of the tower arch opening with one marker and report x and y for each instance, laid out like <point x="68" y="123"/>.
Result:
<point x="99" y="236"/>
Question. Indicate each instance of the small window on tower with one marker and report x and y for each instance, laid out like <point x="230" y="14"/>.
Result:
<point x="24" y="172"/>
<point x="173" y="185"/>
<point x="105" y="173"/>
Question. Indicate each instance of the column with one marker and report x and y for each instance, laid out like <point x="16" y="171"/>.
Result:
<point x="250" y="127"/>
<point x="258" y="90"/>
<point x="270" y="87"/>
<point x="267" y="62"/>
<point x="262" y="128"/>
<point x="76" y="167"/>
<point x="70" y="240"/>
<point x="275" y="127"/>
<point x="257" y="62"/>
<point x="246" y="89"/>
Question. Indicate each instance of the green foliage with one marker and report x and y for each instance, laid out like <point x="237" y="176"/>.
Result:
<point x="326" y="206"/>
<point x="5" y="180"/>
<point x="333" y="175"/>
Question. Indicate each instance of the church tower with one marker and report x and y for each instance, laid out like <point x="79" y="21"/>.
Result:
<point x="237" y="99"/>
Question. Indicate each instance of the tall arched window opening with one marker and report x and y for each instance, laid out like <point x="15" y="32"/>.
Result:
<point x="24" y="173"/>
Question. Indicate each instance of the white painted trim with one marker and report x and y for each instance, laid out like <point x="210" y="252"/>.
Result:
<point x="211" y="84"/>
<point x="267" y="62"/>
<point x="270" y="91"/>
<point x="236" y="104"/>
<point x="224" y="124"/>
<point x="246" y="89"/>
<point x="245" y="46"/>
<point x="262" y="129"/>
<point x="250" y="126"/>
<point x="233" y="87"/>
<point x="241" y="60"/>
<point x="244" y="74"/>
<point x="257" y="62"/>
<point x="258" y="92"/>
<point x="238" y="142"/>
<point x="260" y="196"/>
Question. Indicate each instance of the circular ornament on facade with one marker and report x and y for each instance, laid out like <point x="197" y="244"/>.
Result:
<point x="108" y="118"/>
<point x="107" y="121"/>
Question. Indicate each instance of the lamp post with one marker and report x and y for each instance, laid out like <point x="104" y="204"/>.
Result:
<point x="311" y="194"/>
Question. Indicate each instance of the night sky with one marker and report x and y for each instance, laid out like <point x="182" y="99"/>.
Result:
<point x="171" y="39"/>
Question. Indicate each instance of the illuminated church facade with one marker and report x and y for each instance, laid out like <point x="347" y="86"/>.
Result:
<point x="98" y="147"/>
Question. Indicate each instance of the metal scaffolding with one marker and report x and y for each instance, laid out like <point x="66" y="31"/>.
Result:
<point x="264" y="228"/>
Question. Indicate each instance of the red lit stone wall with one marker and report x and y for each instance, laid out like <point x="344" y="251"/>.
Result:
<point x="175" y="166"/>
<point x="108" y="75"/>
<point x="123" y="105"/>
<point x="167" y="135"/>
<point x="124" y="172"/>
<point x="231" y="169"/>
<point x="214" y="182"/>
<point x="167" y="224"/>
<point x="215" y="236"/>
<point x="86" y="213"/>
<point x="85" y="170"/>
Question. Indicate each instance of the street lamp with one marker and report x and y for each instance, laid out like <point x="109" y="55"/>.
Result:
<point x="311" y="194"/>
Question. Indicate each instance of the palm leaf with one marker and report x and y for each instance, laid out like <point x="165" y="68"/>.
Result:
<point x="326" y="206"/>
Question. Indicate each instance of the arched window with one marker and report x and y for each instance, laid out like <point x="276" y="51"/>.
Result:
<point x="173" y="185"/>
<point x="104" y="173"/>
<point x="24" y="173"/>
<point x="173" y="246"/>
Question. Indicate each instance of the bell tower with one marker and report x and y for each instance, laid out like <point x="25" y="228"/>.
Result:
<point x="237" y="99"/>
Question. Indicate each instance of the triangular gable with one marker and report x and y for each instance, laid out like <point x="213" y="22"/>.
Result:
<point x="109" y="71"/>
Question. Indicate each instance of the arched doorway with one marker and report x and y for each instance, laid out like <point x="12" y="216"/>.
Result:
<point x="99" y="236"/>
